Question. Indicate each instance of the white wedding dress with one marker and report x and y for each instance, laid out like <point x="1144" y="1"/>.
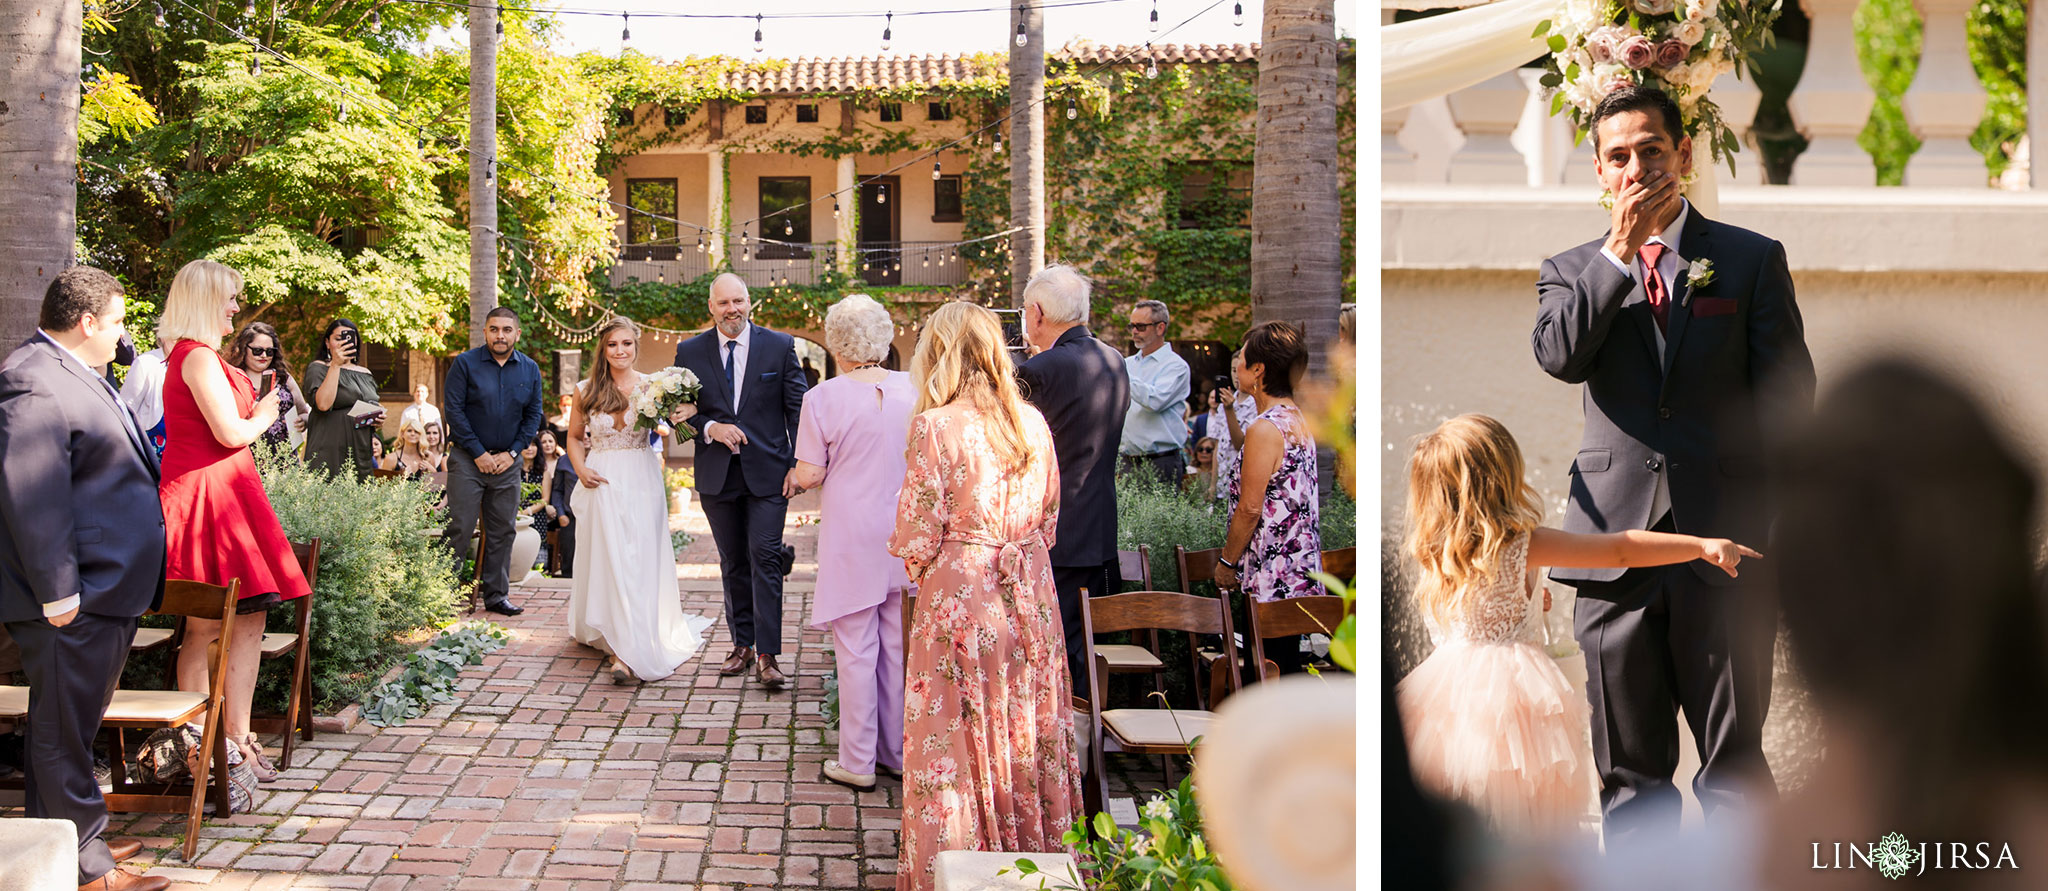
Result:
<point x="624" y="600"/>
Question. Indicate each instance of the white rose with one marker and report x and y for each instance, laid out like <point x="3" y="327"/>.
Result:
<point x="1707" y="8"/>
<point x="1679" y="75"/>
<point x="1689" y="32"/>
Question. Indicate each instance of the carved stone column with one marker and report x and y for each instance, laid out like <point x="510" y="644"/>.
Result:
<point x="1945" y="101"/>
<point x="1832" y="103"/>
<point x="1739" y="100"/>
<point x="1487" y="113"/>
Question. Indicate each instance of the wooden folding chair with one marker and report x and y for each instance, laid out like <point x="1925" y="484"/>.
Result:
<point x="382" y="474"/>
<point x="155" y="709"/>
<point x="1145" y="731"/>
<point x="297" y="721"/>
<point x="1290" y="618"/>
<point x="1342" y="563"/>
<point x="1136" y="658"/>
<point x="1197" y="567"/>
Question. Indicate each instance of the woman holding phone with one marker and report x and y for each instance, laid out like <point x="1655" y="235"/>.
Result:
<point x="218" y="520"/>
<point x="345" y="405"/>
<point x="259" y="355"/>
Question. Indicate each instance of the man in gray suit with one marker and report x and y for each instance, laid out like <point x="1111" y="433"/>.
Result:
<point x="81" y="551"/>
<point x="1689" y="343"/>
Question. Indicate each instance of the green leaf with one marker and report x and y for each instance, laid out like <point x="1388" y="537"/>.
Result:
<point x="1551" y="79"/>
<point x="1104" y="825"/>
<point x="1542" y="28"/>
<point x="1556" y="103"/>
<point x="1557" y="43"/>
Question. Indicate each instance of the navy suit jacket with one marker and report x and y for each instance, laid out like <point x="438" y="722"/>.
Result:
<point x="79" y="512"/>
<point x="1080" y="385"/>
<point x="770" y="403"/>
<point x="1734" y="369"/>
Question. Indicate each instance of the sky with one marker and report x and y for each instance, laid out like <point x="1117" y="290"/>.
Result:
<point x="1108" y="22"/>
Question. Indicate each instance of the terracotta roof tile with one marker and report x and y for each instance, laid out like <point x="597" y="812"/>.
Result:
<point x="815" y="75"/>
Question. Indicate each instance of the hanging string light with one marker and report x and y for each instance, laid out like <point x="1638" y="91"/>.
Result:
<point x="377" y="22"/>
<point x="835" y="208"/>
<point x="888" y="23"/>
<point x="341" y="113"/>
<point x="249" y="8"/>
<point x="1021" y="39"/>
<point x="1151" y="64"/>
<point x="160" y="22"/>
<point x="881" y="194"/>
<point x="999" y="142"/>
<point x="1072" y="112"/>
<point x="700" y="242"/>
<point x="626" y="33"/>
<point x="500" y="21"/>
<point x="1155" y="16"/>
<point x="758" y="46"/>
<point x="1237" y="14"/>
<point x="935" y="171"/>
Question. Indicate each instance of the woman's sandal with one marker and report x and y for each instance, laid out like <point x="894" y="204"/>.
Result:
<point x="253" y="753"/>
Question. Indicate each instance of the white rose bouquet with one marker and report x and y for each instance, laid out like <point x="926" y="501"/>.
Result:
<point x="660" y="393"/>
<point x="1678" y="46"/>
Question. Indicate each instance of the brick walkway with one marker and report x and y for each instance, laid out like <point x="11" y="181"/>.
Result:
<point x="546" y="776"/>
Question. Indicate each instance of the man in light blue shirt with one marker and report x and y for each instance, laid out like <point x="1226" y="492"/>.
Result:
<point x="1155" y="427"/>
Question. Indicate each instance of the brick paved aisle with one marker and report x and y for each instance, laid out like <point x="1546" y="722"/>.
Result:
<point x="545" y="775"/>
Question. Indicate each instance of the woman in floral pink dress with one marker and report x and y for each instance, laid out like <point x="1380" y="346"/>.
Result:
<point x="988" y="748"/>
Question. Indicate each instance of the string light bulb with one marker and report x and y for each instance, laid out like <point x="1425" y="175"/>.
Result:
<point x="500" y="21"/>
<point x="758" y="45"/>
<point x="881" y="194"/>
<point x="999" y="143"/>
<point x="935" y="171"/>
<point x="341" y="114"/>
<point x="700" y="242"/>
<point x="256" y="65"/>
<point x="377" y="23"/>
<point x="160" y="22"/>
<point x="788" y="228"/>
<point x="1151" y="64"/>
<point x="888" y="24"/>
<point x="1021" y="13"/>
<point x="249" y="8"/>
<point x="1237" y="14"/>
<point x="1072" y="112"/>
<point x="835" y="208"/>
<point x="626" y="33"/>
<point x="1155" y="16"/>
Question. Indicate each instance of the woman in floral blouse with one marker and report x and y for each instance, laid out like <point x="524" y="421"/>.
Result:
<point x="1273" y="544"/>
<point x="988" y="747"/>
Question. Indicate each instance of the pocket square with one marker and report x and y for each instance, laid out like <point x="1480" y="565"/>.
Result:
<point x="767" y="374"/>
<point x="1712" y="306"/>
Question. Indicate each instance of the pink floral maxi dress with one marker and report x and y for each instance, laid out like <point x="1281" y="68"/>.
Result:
<point x="988" y="748"/>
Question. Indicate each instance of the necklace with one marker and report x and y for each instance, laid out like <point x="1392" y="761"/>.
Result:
<point x="861" y="366"/>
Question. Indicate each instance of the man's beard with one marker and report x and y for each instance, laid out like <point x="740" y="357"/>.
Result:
<point x="732" y="327"/>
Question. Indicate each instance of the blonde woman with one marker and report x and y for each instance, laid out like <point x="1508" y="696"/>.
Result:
<point x="411" y="459"/>
<point x="218" y="522"/>
<point x="987" y="697"/>
<point x="1490" y="719"/>
<point x="624" y="600"/>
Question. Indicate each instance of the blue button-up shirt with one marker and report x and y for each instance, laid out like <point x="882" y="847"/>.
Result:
<point x="1159" y="400"/>
<point x="492" y="407"/>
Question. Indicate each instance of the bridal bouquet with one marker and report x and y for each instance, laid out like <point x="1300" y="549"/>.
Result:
<point x="658" y="395"/>
<point x="1678" y="46"/>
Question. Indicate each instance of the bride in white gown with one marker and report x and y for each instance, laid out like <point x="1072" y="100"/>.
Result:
<point x="624" y="600"/>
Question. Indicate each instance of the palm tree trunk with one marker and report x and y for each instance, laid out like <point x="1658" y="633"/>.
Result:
<point x="1027" y="149"/>
<point x="39" y="56"/>
<point x="1297" y="267"/>
<point x="483" y="183"/>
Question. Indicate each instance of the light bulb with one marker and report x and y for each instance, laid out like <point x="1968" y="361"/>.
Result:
<point x="1151" y="69"/>
<point x="341" y="116"/>
<point x="788" y="228"/>
<point x="1237" y="15"/>
<point x="888" y="24"/>
<point x="757" y="33"/>
<point x="160" y="16"/>
<point x="1072" y="112"/>
<point x="1155" y="16"/>
<point x="256" y="66"/>
<point x="626" y="33"/>
<point x="377" y="22"/>
<point x="747" y="256"/>
<point x="999" y="143"/>
<point x="927" y="261"/>
<point x="882" y="196"/>
<point x="1021" y="13"/>
<point x="835" y="210"/>
<point x="249" y="8"/>
<point x="935" y="171"/>
<point x="700" y="243"/>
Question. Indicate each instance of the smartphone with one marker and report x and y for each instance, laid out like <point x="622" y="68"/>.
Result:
<point x="264" y="382"/>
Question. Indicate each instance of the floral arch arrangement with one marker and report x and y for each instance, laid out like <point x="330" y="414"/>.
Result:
<point x="1678" y="46"/>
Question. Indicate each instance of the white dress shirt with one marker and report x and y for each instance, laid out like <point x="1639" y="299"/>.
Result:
<point x="143" y="389"/>
<point x="1667" y="267"/>
<point x="739" y="360"/>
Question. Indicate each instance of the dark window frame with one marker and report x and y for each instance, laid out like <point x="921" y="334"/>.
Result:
<point x="1215" y="184"/>
<point x="626" y="117"/>
<point x="801" y="220"/>
<point x="757" y="114"/>
<point x="674" y="117"/>
<point x="938" y="111"/>
<point x="633" y="235"/>
<point x="892" y="112"/>
<point x="939" y="213"/>
<point x="807" y="113"/>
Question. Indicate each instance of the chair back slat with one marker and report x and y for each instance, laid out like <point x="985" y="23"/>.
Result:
<point x="1296" y="616"/>
<point x="1163" y="610"/>
<point x="1136" y="566"/>
<point x="1342" y="563"/>
<point x="1196" y="566"/>
<point x="199" y="600"/>
<point x="308" y="554"/>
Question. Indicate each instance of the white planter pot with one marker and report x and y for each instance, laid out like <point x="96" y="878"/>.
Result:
<point x="679" y="501"/>
<point x="525" y="548"/>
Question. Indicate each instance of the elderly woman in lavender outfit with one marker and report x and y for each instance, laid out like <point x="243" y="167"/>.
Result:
<point x="850" y="439"/>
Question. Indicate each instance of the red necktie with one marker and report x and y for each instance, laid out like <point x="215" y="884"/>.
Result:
<point x="1653" y="284"/>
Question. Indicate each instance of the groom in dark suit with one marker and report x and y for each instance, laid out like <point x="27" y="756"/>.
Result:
<point x="81" y="551"/>
<point x="1689" y="343"/>
<point x="746" y="417"/>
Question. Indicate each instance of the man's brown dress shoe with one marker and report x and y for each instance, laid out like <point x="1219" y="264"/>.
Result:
<point x="124" y="848"/>
<point x="772" y="677"/>
<point x="738" y="662"/>
<point x="123" y="880"/>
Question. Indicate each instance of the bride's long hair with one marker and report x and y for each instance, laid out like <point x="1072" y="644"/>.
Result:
<point x="960" y="356"/>
<point x="1468" y="498"/>
<point x="600" y="395"/>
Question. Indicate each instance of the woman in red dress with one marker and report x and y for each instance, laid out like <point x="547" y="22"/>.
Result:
<point x="218" y="522"/>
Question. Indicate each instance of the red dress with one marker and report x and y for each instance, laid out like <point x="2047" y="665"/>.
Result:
<point x="217" y="519"/>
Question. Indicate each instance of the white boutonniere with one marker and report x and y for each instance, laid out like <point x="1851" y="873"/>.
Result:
<point x="1699" y="273"/>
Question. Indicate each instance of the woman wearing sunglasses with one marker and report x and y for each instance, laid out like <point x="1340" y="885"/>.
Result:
<point x="256" y="350"/>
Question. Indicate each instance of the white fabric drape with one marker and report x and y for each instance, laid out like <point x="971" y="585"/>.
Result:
<point x="1443" y="54"/>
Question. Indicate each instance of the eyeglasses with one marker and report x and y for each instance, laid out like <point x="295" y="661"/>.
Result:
<point x="266" y="352"/>
<point x="1140" y="326"/>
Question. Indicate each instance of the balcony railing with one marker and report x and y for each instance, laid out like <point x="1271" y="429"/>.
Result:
<point x="1501" y="132"/>
<point x="913" y="263"/>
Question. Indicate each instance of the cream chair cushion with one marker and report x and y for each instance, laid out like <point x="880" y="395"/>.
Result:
<point x="278" y="643"/>
<point x="1129" y="657"/>
<point x="13" y="702"/>
<point x="148" y="638"/>
<point x="152" y="706"/>
<point x="1156" y="726"/>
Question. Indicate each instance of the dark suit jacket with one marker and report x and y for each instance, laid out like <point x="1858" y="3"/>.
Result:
<point x="78" y="493"/>
<point x="564" y="485"/>
<point x="1735" y="365"/>
<point x="770" y="403"/>
<point x="1082" y="389"/>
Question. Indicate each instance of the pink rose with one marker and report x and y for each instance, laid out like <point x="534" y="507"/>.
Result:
<point x="1637" y="52"/>
<point x="1671" y="52"/>
<point x="1619" y="81"/>
<point x="1601" y="44"/>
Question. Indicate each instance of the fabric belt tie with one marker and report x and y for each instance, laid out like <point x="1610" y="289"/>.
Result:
<point x="1010" y="557"/>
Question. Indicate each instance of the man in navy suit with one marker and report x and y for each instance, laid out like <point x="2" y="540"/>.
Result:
<point x="1079" y="384"/>
<point x="746" y="417"/>
<point x="81" y="551"/>
<point x="1690" y="345"/>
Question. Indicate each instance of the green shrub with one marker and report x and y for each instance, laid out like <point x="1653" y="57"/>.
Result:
<point x="384" y="576"/>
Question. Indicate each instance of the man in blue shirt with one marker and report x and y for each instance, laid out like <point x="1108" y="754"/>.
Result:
<point x="493" y="411"/>
<point x="1155" y="427"/>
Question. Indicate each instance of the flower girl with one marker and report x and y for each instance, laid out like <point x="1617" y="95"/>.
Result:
<point x="1491" y="721"/>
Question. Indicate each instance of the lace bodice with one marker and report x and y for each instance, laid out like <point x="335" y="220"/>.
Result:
<point x="605" y="435"/>
<point x="1502" y="611"/>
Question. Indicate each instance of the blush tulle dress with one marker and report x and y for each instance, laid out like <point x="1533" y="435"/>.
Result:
<point x="1490" y="719"/>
